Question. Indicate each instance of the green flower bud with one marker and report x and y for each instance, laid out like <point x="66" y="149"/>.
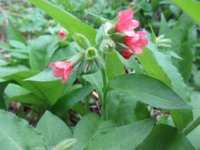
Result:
<point x="91" y="53"/>
<point x="82" y="41"/>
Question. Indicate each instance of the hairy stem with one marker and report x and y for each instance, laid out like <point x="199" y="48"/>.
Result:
<point x="192" y="126"/>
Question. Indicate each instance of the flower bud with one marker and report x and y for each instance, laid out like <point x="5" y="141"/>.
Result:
<point x="62" y="34"/>
<point x="91" y="53"/>
<point x="82" y="41"/>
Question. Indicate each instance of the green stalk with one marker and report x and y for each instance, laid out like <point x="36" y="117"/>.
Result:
<point x="76" y="58"/>
<point x="191" y="126"/>
<point x="104" y="95"/>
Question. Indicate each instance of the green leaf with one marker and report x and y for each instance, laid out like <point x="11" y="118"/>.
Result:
<point x="53" y="129"/>
<point x="148" y="90"/>
<point x="43" y="76"/>
<point x="82" y="41"/>
<point x="166" y="138"/>
<point x="181" y="117"/>
<point x="14" y="92"/>
<point x="70" y="100"/>
<point x="159" y="65"/>
<point x="70" y="22"/>
<point x="126" y="137"/>
<point x="16" y="134"/>
<point x="64" y="52"/>
<point x="7" y="71"/>
<point x="17" y="44"/>
<point x="49" y="91"/>
<point x="95" y="79"/>
<point x="184" y="37"/>
<point x="122" y="110"/>
<point x="87" y="128"/>
<point x="114" y="66"/>
<point x="164" y="27"/>
<point x="13" y="34"/>
<point x="191" y="7"/>
<point x="41" y="51"/>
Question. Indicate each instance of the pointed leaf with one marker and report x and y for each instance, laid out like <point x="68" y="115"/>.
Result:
<point x="53" y="129"/>
<point x="70" y="22"/>
<point x="126" y="137"/>
<point x="166" y="138"/>
<point x="16" y="134"/>
<point x="148" y="90"/>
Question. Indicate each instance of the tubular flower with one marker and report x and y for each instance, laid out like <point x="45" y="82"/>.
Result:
<point x="62" y="34"/>
<point x="126" y="23"/>
<point x="136" y="42"/>
<point x="62" y="69"/>
<point x="126" y="53"/>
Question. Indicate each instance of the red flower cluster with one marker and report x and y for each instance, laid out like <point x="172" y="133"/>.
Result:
<point x="134" y="40"/>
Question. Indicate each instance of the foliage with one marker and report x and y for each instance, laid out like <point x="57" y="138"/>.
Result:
<point x="149" y="101"/>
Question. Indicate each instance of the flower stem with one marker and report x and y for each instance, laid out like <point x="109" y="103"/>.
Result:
<point x="191" y="126"/>
<point x="76" y="58"/>
<point x="104" y="95"/>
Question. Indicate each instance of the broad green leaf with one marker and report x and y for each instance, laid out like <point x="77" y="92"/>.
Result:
<point x="16" y="134"/>
<point x="95" y="79"/>
<point x="114" y="66"/>
<point x="53" y="129"/>
<point x="159" y="65"/>
<point x="81" y="109"/>
<point x="47" y="76"/>
<point x="49" y="91"/>
<point x="181" y="117"/>
<point x="14" y="92"/>
<point x="13" y="34"/>
<point x="70" y="22"/>
<point x="70" y="100"/>
<point x="164" y="27"/>
<point x="166" y="138"/>
<point x="183" y="37"/>
<point x="64" y="53"/>
<point x="41" y="51"/>
<point x="148" y="90"/>
<point x="191" y="7"/>
<point x="122" y="109"/>
<point x="87" y="128"/>
<point x="7" y="71"/>
<point x="126" y="137"/>
<point x="43" y="76"/>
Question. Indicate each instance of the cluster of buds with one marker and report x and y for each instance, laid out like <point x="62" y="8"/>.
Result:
<point x="133" y="40"/>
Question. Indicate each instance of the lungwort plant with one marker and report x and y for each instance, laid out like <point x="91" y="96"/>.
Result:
<point x="115" y="88"/>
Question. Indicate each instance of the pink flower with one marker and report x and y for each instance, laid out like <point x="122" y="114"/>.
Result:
<point x="126" y="53"/>
<point x="125" y="23"/>
<point x="136" y="41"/>
<point x="62" y="34"/>
<point x="62" y="69"/>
